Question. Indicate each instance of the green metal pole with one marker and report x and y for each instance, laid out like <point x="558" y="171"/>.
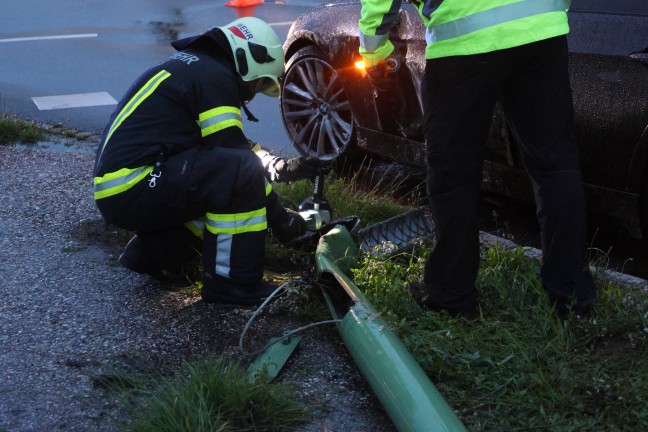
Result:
<point x="405" y="391"/>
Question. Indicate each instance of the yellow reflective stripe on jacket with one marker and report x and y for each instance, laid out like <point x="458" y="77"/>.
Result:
<point x="119" y="181"/>
<point x="217" y="119"/>
<point x="146" y="90"/>
<point x="268" y="187"/>
<point x="237" y="223"/>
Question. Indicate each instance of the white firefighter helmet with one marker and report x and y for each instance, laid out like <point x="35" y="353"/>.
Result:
<point x="258" y="53"/>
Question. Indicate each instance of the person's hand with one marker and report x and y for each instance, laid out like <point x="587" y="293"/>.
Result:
<point x="382" y="74"/>
<point x="299" y="168"/>
<point x="292" y="227"/>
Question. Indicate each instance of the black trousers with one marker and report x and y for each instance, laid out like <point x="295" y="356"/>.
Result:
<point x="220" y="187"/>
<point x="459" y="95"/>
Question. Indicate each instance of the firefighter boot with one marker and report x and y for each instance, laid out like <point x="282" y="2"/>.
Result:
<point x="163" y="258"/>
<point x="217" y="289"/>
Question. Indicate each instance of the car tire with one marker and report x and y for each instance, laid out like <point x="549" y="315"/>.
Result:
<point x="314" y="106"/>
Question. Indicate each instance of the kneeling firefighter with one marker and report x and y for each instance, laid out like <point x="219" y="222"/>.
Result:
<point x="175" y="167"/>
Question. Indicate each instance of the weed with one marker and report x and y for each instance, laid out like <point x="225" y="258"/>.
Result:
<point x="213" y="394"/>
<point x="15" y="130"/>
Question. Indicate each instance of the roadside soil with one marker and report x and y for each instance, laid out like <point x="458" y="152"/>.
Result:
<point x="70" y="314"/>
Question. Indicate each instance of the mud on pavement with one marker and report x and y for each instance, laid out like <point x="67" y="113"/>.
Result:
<point x="69" y="313"/>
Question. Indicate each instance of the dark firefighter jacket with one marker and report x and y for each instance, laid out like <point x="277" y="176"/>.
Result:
<point x="193" y="98"/>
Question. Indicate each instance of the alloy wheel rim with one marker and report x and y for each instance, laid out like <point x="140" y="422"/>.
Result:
<point x="316" y="111"/>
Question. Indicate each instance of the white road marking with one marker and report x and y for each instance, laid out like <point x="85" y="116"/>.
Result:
<point x="73" y="101"/>
<point x="36" y="38"/>
<point x="281" y="23"/>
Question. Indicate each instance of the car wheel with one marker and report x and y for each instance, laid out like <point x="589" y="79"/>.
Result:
<point x="314" y="106"/>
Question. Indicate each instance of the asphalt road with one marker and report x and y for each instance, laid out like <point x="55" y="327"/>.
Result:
<point x="88" y="53"/>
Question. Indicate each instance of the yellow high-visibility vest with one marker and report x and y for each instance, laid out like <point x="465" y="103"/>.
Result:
<point x="460" y="27"/>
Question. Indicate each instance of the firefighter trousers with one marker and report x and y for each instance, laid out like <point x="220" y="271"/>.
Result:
<point x="219" y="194"/>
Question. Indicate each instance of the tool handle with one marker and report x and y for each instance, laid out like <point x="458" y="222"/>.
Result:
<point x="318" y="190"/>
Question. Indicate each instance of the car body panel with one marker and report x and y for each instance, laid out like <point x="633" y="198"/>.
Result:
<point x="609" y="75"/>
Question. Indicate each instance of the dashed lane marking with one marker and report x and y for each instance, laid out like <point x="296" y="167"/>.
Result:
<point x="73" y="101"/>
<point x="38" y="38"/>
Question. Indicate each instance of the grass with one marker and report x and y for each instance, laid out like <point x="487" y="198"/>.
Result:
<point x="15" y="130"/>
<point x="347" y="197"/>
<point x="210" y="395"/>
<point x="516" y="368"/>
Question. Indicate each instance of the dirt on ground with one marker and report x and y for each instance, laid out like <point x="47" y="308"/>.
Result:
<point x="70" y="314"/>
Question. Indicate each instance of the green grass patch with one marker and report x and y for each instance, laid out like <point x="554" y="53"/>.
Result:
<point x="518" y="367"/>
<point x="14" y="130"/>
<point x="207" y="396"/>
<point x="347" y="197"/>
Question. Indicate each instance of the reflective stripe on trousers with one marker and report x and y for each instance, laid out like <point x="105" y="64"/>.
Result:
<point x="225" y="227"/>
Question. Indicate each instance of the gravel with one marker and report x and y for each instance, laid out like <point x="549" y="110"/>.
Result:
<point x="70" y="313"/>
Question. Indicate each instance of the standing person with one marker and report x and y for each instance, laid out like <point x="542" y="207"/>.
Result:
<point x="175" y="167"/>
<point x="478" y="52"/>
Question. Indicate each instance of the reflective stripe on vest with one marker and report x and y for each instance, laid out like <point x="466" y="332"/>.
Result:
<point x="491" y="17"/>
<point x="376" y="18"/>
<point x="139" y="97"/>
<point x="371" y="43"/>
<point x="237" y="223"/>
<point x="217" y="119"/>
<point x="116" y="182"/>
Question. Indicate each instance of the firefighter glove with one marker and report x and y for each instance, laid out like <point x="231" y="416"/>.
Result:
<point x="299" y="168"/>
<point x="292" y="226"/>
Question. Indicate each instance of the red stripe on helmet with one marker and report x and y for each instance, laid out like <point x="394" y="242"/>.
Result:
<point x="237" y="32"/>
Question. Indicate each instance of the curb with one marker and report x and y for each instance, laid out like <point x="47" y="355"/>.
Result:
<point x="491" y="240"/>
